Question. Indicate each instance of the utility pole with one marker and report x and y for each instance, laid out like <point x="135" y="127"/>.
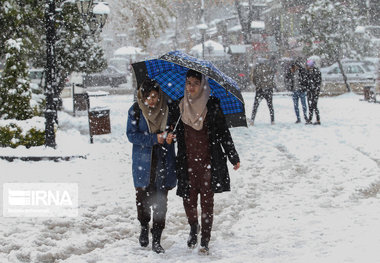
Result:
<point x="50" y="78"/>
<point x="204" y="32"/>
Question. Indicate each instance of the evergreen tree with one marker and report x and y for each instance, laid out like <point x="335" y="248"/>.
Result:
<point x="15" y="92"/>
<point x="22" y="19"/>
<point x="77" y="47"/>
<point x="329" y="31"/>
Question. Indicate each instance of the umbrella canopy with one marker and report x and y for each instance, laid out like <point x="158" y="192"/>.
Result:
<point x="170" y="72"/>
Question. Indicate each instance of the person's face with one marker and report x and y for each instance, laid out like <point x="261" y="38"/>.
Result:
<point x="193" y="86"/>
<point x="152" y="99"/>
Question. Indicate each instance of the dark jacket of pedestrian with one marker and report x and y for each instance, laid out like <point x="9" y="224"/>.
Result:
<point x="314" y="80"/>
<point x="263" y="76"/>
<point x="221" y="147"/>
<point x="296" y="78"/>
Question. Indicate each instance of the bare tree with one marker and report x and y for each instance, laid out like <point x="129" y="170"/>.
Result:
<point x="329" y="30"/>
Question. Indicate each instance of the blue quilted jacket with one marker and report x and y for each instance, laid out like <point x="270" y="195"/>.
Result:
<point x="142" y="154"/>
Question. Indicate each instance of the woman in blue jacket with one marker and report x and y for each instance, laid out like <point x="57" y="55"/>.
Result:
<point x="153" y="160"/>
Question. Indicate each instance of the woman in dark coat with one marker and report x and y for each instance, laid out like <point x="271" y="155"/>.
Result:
<point x="314" y="80"/>
<point x="153" y="160"/>
<point x="204" y="144"/>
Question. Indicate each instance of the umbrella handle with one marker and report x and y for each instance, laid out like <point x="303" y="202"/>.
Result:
<point x="175" y="127"/>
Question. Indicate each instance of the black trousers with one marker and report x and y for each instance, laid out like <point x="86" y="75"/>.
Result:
<point x="152" y="198"/>
<point x="156" y="200"/>
<point x="312" y="101"/>
<point x="268" y="96"/>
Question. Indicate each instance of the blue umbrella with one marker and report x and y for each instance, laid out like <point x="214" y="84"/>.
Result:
<point x="170" y="73"/>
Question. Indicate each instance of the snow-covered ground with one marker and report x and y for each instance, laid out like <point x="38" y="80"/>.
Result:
<point x="302" y="194"/>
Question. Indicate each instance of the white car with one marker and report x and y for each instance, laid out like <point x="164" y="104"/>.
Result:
<point x="355" y="72"/>
<point x="369" y="64"/>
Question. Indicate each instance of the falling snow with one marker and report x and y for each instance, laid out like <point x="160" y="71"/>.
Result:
<point x="303" y="193"/>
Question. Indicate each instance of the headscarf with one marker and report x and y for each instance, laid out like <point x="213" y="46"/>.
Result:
<point x="310" y="63"/>
<point x="193" y="109"/>
<point x="156" y="117"/>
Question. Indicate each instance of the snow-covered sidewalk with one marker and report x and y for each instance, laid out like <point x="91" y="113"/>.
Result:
<point x="302" y="194"/>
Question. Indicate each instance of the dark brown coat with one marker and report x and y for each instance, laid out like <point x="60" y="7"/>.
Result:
<point x="221" y="147"/>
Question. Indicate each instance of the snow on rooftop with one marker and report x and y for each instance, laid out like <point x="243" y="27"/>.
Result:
<point x="237" y="49"/>
<point x="235" y="28"/>
<point x="101" y="9"/>
<point x="360" y="29"/>
<point x="258" y="24"/>
<point x="212" y="48"/>
<point x="202" y="26"/>
<point x="128" y="50"/>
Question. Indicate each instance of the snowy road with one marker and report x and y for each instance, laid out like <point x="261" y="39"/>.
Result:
<point x="302" y="194"/>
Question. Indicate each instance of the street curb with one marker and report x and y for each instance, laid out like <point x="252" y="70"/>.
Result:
<point x="42" y="158"/>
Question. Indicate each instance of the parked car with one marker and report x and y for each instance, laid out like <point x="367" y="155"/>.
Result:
<point x="368" y="65"/>
<point x="37" y="76"/>
<point x="355" y="72"/>
<point x="111" y="76"/>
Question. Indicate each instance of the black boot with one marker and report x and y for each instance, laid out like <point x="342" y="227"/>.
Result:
<point x="156" y="243"/>
<point x="204" y="248"/>
<point x="144" y="235"/>
<point x="193" y="236"/>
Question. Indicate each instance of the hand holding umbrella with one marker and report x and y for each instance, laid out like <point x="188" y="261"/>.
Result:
<point x="161" y="137"/>
<point x="170" y="137"/>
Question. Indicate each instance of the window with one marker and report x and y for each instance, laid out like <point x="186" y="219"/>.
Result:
<point x="36" y="74"/>
<point x="354" y="69"/>
<point x="367" y="67"/>
<point x="335" y="70"/>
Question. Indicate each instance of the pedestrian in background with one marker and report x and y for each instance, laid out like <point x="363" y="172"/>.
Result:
<point x="262" y="77"/>
<point x="153" y="160"/>
<point x="314" y="80"/>
<point x="204" y="144"/>
<point x="295" y="81"/>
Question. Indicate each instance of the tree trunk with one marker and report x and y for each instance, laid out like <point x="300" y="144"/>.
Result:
<point x="344" y="76"/>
